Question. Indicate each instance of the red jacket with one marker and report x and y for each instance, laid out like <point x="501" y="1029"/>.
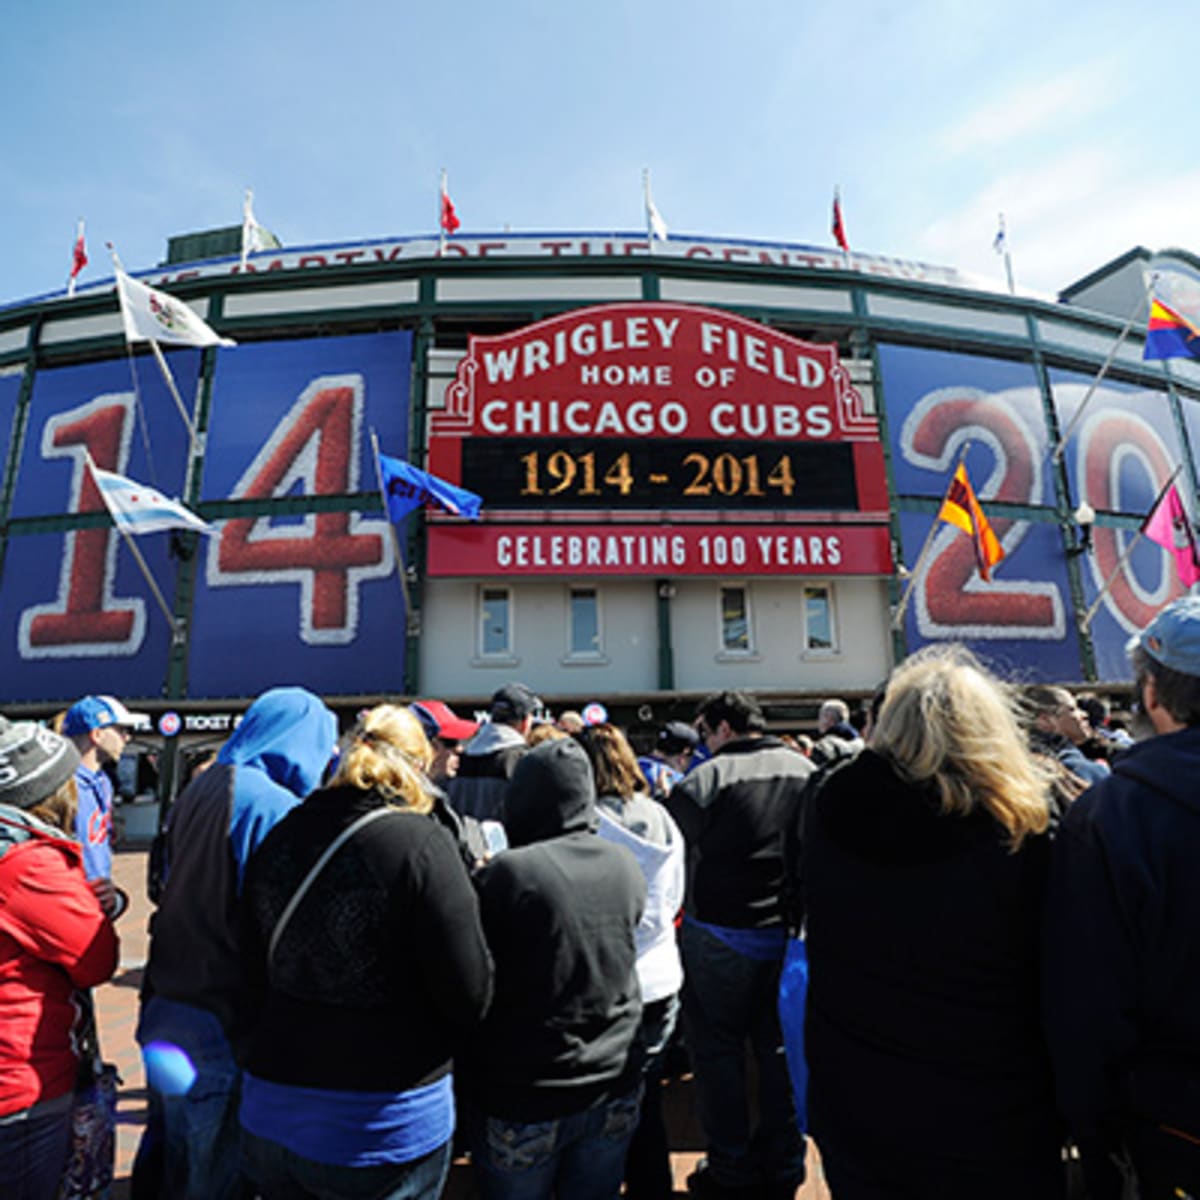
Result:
<point x="54" y="938"/>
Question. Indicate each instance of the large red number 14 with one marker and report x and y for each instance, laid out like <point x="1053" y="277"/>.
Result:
<point x="85" y="620"/>
<point x="317" y="442"/>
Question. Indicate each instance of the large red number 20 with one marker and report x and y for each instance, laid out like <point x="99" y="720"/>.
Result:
<point x="951" y="599"/>
<point x="1107" y="438"/>
<point x="332" y="553"/>
<point x="85" y="620"/>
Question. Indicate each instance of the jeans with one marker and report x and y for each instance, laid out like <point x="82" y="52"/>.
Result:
<point x="648" y="1161"/>
<point x="33" y="1151"/>
<point x="728" y="999"/>
<point x="283" y="1175"/>
<point x="580" y="1157"/>
<point x="200" y="1132"/>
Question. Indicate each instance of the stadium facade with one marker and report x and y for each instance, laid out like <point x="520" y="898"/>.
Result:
<point x="703" y="463"/>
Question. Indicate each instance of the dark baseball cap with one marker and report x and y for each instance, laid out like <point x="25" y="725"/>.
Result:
<point x="514" y="702"/>
<point x="677" y="736"/>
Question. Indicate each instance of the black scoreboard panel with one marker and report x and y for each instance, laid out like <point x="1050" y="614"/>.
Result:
<point x="669" y="473"/>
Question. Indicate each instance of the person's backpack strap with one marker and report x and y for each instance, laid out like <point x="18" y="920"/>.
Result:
<point x="317" y="867"/>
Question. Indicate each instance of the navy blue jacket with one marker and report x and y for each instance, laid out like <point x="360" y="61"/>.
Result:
<point x="1123" y="953"/>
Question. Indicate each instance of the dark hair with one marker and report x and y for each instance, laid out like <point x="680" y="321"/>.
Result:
<point x="740" y="709"/>
<point x="1042" y="698"/>
<point x="1096" y="709"/>
<point x="1178" y="693"/>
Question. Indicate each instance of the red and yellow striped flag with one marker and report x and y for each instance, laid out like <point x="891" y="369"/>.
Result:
<point x="961" y="509"/>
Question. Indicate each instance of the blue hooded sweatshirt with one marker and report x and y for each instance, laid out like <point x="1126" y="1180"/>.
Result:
<point x="273" y="760"/>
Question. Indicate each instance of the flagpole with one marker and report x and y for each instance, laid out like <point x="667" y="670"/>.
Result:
<point x="170" y="381"/>
<point x="137" y="555"/>
<point x="1137" y="537"/>
<point x="902" y="607"/>
<point x="1061" y="448"/>
<point x="441" y="241"/>
<point x="409" y="622"/>
<point x="646" y="202"/>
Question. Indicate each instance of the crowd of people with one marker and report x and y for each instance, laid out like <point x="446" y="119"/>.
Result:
<point x="432" y="933"/>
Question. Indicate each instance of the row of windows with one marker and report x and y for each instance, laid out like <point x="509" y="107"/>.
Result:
<point x="585" y="627"/>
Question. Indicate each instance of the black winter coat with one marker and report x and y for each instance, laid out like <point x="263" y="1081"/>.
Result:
<point x="1123" y="952"/>
<point x="923" y="1026"/>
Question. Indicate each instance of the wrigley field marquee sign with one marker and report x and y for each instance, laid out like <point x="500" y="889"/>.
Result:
<point x="646" y="439"/>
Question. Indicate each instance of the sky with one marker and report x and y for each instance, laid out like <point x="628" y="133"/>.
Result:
<point x="932" y="116"/>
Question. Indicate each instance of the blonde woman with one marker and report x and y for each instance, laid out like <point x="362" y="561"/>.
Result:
<point x="923" y="870"/>
<point x="371" y="968"/>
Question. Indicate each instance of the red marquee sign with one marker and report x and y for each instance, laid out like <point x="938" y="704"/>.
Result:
<point x="637" y="414"/>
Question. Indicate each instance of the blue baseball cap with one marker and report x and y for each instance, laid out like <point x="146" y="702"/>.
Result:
<point x="1173" y="637"/>
<point x="98" y="712"/>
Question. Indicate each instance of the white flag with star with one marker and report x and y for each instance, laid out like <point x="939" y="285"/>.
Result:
<point x="136" y="508"/>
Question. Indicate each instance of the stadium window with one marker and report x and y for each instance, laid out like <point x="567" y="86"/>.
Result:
<point x="735" y="621"/>
<point x="495" y="622"/>
<point x="583" y="633"/>
<point x="818" y="620"/>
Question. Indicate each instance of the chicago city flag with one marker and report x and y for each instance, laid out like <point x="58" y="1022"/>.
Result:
<point x="961" y="509"/>
<point x="137" y="509"/>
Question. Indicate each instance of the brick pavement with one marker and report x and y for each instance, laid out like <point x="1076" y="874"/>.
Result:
<point x="116" y="1006"/>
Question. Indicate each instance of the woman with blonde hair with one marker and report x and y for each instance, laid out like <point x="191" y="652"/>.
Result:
<point x="366" y="953"/>
<point x="923" y="869"/>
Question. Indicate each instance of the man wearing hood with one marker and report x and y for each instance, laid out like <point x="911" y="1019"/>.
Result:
<point x="551" y="1086"/>
<point x="192" y="991"/>
<point x="491" y="756"/>
<point x="1123" y="959"/>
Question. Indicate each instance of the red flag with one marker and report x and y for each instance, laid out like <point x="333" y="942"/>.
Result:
<point x="1169" y="526"/>
<point x="450" y="221"/>
<point x="961" y="509"/>
<point x="839" y="226"/>
<point x="79" y="259"/>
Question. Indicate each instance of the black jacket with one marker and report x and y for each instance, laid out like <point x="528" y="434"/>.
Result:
<point x="382" y="971"/>
<point x="1123" y="948"/>
<point x="486" y="766"/>
<point x="923" y="1013"/>
<point x="732" y="810"/>
<point x="559" y="910"/>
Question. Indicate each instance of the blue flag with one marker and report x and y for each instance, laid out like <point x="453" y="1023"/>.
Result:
<point x="407" y="487"/>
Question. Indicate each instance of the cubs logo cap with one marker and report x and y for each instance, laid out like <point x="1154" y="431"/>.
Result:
<point x="99" y="712"/>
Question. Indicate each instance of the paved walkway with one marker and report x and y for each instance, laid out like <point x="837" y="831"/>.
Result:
<point x="116" y="1004"/>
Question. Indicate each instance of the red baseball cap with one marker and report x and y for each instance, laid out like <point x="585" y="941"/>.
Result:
<point x="440" y="720"/>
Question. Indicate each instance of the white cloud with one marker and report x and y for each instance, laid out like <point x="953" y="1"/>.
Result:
<point x="1028" y="107"/>
<point x="1065" y="218"/>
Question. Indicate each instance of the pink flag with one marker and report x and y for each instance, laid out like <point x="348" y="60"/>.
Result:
<point x="1170" y="526"/>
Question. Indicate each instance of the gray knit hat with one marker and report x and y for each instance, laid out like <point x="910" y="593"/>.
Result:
<point x="34" y="762"/>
